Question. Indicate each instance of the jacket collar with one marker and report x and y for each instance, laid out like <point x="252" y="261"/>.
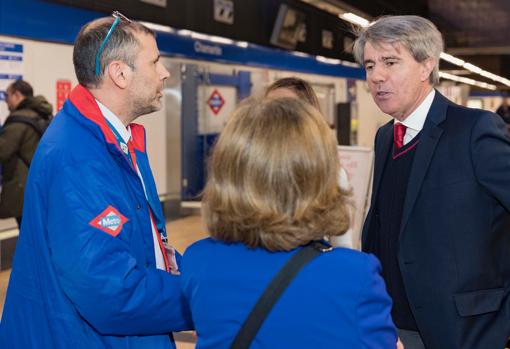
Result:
<point x="86" y="104"/>
<point x="438" y="110"/>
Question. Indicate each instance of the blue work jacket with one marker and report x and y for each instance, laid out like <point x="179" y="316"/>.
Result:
<point x="84" y="273"/>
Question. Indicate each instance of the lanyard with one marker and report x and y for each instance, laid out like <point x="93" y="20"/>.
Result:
<point x="129" y="153"/>
<point x="122" y="145"/>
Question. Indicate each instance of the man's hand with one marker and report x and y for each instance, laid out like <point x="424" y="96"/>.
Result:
<point x="399" y="344"/>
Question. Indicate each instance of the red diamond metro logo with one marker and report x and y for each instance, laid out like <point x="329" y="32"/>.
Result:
<point x="110" y="221"/>
<point x="215" y="102"/>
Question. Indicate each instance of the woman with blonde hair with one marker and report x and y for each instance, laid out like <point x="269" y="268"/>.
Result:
<point x="271" y="197"/>
<point x="294" y="87"/>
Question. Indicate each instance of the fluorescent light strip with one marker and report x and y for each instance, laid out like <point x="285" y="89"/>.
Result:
<point x="242" y="44"/>
<point x="453" y="60"/>
<point x="351" y="64"/>
<point x="184" y="32"/>
<point x="474" y="69"/>
<point x="158" y="27"/>
<point x="195" y="35"/>
<point x="335" y="61"/>
<point x="468" y="81"/>
<point x="300" y="54"/>
<point x="355" y="19"/>
<point x="212" y="38"/>
<point x="328" y="60"/>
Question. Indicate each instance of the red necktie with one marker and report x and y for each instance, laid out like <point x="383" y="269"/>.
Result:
<point x="399" y="130"/>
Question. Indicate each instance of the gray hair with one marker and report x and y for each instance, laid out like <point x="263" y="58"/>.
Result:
<point x="419" y="35"/>
<point x="122" y="45"/>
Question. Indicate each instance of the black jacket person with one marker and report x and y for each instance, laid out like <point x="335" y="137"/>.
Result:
<point x="19" y="138"/>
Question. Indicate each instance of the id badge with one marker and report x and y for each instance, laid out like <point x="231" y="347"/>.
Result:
<point x="172" y="261"/>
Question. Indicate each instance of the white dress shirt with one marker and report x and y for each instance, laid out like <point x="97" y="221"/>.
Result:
<point x="414" y="122"/>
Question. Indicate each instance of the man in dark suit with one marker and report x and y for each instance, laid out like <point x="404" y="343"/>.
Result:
<point x="439" y="219"/>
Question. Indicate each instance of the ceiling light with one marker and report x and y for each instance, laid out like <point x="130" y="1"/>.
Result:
<point x="184" y="32"/>
<point x="468" y="81"/>
<point x="300" y="54"/>
<point x="242" y="44"/>
<point x="474" y="69"/>
<point x="220" y="40"/>
<point x="328" y="60"/>
<point x="355" y="19"/>
<point x="449" y="58"/>
<point x="158" y="27"/>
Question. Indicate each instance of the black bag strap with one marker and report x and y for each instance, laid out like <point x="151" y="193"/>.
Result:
<point x="38" y="124"/>
<point x="273" y="292"/>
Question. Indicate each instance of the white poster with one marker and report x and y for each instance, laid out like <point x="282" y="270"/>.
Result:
<point x="218" y="102"/>
<point x="358" y="163"/>
<point x="11" y="69"/>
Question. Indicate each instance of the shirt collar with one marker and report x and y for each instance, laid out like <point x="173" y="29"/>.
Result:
<point x="124" y="132"/>
<point x="417" y="118"/>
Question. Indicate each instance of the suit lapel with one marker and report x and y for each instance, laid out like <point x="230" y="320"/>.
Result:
<point x="431" y="133"/>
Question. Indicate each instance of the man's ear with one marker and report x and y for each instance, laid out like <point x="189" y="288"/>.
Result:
<point x="120" y="73"/>
<point x="427" y="66"/>
<point x="18" y="95"/>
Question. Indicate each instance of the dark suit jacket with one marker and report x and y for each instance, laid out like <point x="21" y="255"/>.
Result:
<point x="454" y="243"/>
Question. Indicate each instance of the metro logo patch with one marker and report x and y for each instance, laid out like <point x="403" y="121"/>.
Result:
<point x="110" y="221"/>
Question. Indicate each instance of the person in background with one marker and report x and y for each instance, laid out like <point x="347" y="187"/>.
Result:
<point x="272" y="189"/>
<point x="504" y="111"/>
<point x="439" y="219"/>
<point x="294" y="87"/>
<point x="92" y="267"/>
<point x="28" y="119"/>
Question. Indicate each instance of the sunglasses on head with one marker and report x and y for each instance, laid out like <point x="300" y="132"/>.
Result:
<point x="118" y="17"/>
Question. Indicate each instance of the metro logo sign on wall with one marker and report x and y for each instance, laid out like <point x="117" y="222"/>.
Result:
<point x="216" y="102"/>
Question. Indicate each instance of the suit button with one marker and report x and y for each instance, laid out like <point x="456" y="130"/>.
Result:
<point x="408" y="262"/>
<point x="146" y="264"/>
<point x="138" y="206"/>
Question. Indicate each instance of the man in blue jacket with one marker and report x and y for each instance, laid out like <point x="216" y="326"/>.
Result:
<point x="92" y="268"/>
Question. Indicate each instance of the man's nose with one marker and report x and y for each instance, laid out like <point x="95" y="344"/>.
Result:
<point x="165" y="74"/>
<point x="378" y="74"/>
